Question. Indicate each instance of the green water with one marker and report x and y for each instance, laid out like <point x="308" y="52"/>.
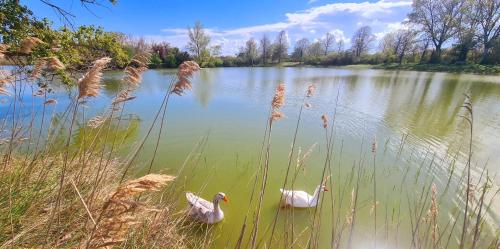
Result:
<point x="414" y="117"/>
<point x="228" y="107"/>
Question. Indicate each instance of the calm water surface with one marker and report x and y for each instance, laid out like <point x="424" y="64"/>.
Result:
<point x="221" y="124"/>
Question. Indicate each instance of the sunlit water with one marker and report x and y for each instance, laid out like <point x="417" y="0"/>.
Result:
<point x="415" y="117"/>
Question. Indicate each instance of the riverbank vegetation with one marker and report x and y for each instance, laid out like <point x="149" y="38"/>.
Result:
<point x="438" y="36"/>
<point x="457" y="39"/>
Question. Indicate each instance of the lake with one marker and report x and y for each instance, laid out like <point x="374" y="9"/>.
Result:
<point x="213" y="136"/>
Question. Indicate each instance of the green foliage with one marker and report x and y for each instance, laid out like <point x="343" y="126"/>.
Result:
<point x="17" y="22"/>
<point x="167" y="56"/>
<point x="453" y="68"/>
<point x="75" y="49"/>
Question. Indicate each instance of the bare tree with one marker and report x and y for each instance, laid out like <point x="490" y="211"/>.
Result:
<point x="280" y="46"/>
<point x="198" y="42"/>
<point x="404" y="43"/>
<point x="438" y="19"/>
<point x="398" y="44"/>
<point x="265" y="48"/>
<point x="328" y="42"/>
<point x="487" y="15"/>
<point x="340" y="46"/>
<point x="423" y="44"/>
<point x="361" y="41"/>
<point x="316" y="49"/>
<point x="387" y="45"/>
<point x="300" y="50"/>
<point x="466" y="33"/>
<point x="251" y="52"/>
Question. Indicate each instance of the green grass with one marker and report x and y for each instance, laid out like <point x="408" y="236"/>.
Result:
<point x="452" y="68"/>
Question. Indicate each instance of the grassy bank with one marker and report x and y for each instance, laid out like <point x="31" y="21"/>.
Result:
<point x="451" y="68"/>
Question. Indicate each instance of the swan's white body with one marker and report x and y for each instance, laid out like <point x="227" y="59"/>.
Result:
<point x="203" y="210"/>
<point x="301" y="199"/>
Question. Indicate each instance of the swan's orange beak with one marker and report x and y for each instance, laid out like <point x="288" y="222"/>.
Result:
<point x="326" y="190"/>
<point x="226" y="200"/>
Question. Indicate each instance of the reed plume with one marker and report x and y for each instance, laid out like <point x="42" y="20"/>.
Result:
<point x="28" y="44"/>
<point x="96" y="121"/>
<point x="433" y="212"/>
<point x="50" y="102"/>
<point x="54" y="63"/>
<point x="278" y="102"/>
<point x="50" y="63"/>
<point x="135" y="69"/>
<point x="121" y="211"/>
<point x="37" y="69"/>
<point x="310" y="90"/>
<point x="374" y="145"/>
<point x="5" y="78"/>
<point x="324" y="117"/>
<point x="184" y="74"/>
<point x="89" y="83"/>
<point x="4" y="48"/>
<point x="123" y="96"/>
<point x="350" y="215"/>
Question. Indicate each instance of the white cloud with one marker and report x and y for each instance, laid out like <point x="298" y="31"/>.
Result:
<point x="339" y="36"/>
<point x="337" y="18"/>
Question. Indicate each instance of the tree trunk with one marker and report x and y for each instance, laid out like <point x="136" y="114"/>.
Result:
<point x="462" y="55"/>
<point x="436" y="55"/>
<point x="485" y="55"/>
<point x="401" y="56"/>
<point x="424" y="52"/>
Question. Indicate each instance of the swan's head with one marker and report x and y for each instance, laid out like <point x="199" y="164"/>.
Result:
<point x="221" y="196"/>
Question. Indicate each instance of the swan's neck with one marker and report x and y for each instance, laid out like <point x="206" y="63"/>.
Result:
<point x="216" y="206"/>
<point x="315" y="198"/>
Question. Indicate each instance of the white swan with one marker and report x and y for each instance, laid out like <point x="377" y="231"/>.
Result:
<point x="301" y="199"/>
<point x="205" y="211"/>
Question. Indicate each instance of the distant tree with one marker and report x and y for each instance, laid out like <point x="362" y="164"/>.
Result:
<point x="265" y="48"/>
<point x="328" y="42"/>
<point x="466" y="38"/>
<point x="216" y="50"/>
<point x="361" y="41"/>
<point x="438" y="19"/>
<point x="397" y="44"/>
<point x="300" y="50"/>
<point x="423" y="45"/>
<point x="280" y="49"/>
<point x="251" y="52"/>
<point x="487" y="15"/>
<point x="316" y="49"/>
<point x="198" y="42"/>
<point x="340" y="46"/>
<point x="386" y="45"/>
<point x="404" y="40"/>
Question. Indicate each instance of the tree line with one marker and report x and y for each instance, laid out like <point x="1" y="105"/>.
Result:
<point x="436" y="31"/>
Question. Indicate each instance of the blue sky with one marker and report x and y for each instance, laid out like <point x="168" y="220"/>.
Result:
<point x="231" y="22"/>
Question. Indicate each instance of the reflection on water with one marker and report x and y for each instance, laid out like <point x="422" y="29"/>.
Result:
<point x="229" y="107"/>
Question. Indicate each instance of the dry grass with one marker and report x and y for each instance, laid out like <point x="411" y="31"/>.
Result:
<point x="89" y="84"/>
<point x="185" y="72"/>
<point x="28" y="44"/>
<point x="121" y="212"/>
<point x="72" y="196"/>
